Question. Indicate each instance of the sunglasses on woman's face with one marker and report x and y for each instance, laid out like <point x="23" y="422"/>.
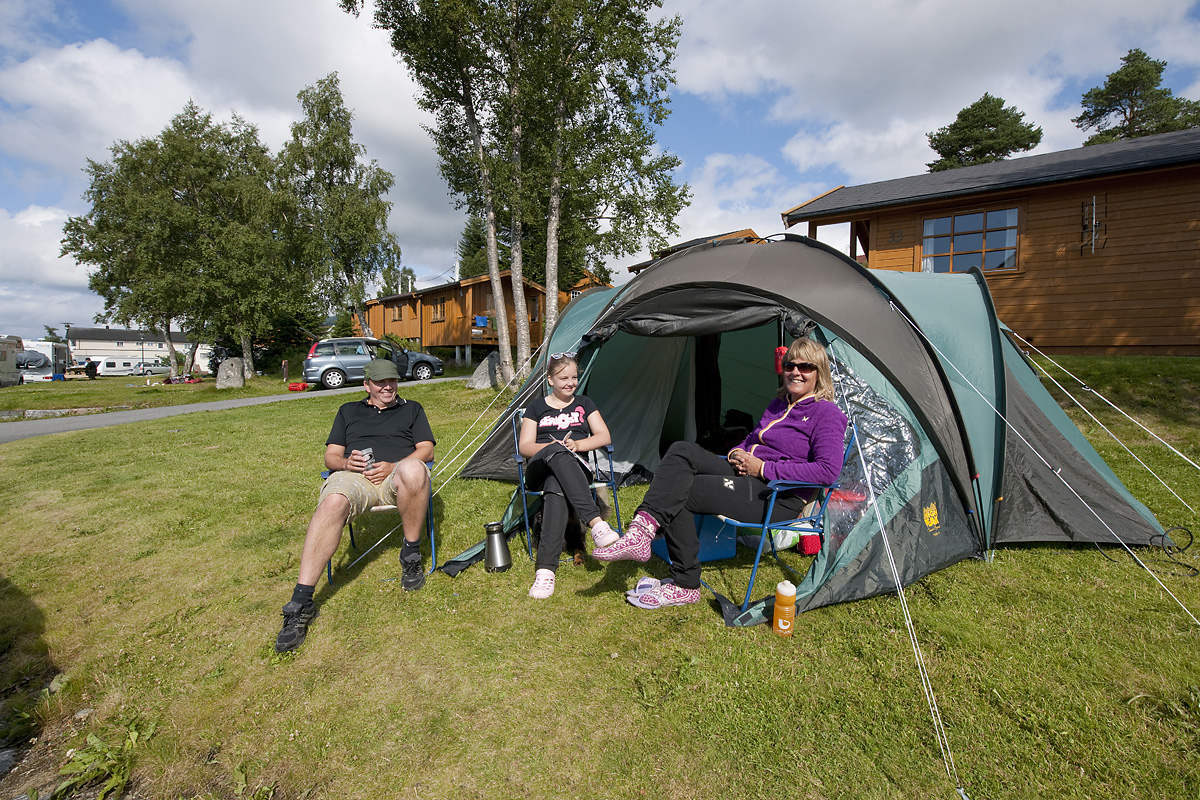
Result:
<point x="803" y="366"/>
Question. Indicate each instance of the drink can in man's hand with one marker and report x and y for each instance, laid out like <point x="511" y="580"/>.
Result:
<point x="369" y="454"/>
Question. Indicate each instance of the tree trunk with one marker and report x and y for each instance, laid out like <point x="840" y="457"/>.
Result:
<point x="553" y="215"/>
<point x="189" y="364"/>
<point x="170" y="349"/>
<point x="493" y="255"/>
<point x="361" y="315"/>
<point x="247" y="356"/>
<point x="516" y="203"/>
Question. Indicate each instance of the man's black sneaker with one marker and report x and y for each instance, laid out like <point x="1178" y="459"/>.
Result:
<point x="414" y="573"/>
<point x="296" y="618"/>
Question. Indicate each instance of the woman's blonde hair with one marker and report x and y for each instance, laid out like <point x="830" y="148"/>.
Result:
<point x="805" y="349"/>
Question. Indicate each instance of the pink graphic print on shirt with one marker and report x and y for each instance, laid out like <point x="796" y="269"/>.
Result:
<point x="563" y="420"/>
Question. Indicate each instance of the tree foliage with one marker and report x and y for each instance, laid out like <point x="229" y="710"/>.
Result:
<point x="544" y="124"/>
<point x="201" y="228"/>
<point x="472" y="249"/>
<point x="984" y="131"/>
<point x="182" y="230"/>
<point x="1132" y="103"/>
<point x="340" y="227"/>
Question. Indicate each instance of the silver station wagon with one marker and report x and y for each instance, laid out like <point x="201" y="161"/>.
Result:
<point x="334" y="362"/>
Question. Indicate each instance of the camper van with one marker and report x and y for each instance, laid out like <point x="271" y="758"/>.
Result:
<point x="117" y="365"/>
<point x="9" y="347"/>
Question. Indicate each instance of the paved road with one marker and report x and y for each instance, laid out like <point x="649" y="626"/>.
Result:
<point x="23" y="429"/>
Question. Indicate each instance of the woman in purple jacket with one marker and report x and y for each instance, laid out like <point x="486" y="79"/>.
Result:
<point x="801" y="437"/>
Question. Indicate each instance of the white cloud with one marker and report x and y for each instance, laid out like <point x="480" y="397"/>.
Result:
<point x="732" y="191"/>
<point x="855" y="63"/>
<point x="36" y="286"/>
<point x="31" y="245"/>
<point x="64" y="105"/>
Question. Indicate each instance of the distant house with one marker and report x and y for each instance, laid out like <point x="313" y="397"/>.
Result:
<point x="461" y="314"/>
<point x="1095" y="249"/>
<point x="104" y="343"/>
<point x="744" y="233"/>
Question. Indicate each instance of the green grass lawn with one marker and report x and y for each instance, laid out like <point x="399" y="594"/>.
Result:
<point x="148" y="563"/>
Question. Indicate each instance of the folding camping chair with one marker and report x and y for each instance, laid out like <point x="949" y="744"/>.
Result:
<point x="429" y="526"/>
<point x="811" y="523"/>
<point x="597" y="480"/>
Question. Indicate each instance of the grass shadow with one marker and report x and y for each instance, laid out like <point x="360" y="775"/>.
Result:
<point x="26" y="668"/>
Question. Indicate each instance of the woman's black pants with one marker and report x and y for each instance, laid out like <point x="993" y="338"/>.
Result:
<point x="565" y="486"/>
<point x="691" y="480"/>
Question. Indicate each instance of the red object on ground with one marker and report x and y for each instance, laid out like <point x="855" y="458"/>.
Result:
<point x="780" y="352"/>
<point x="298" y="387"/>
<point x="810" y="544"/>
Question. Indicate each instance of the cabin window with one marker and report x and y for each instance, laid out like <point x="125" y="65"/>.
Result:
<point x="396" y="313"/>
<point x="984" y="239"/>
<point x="438" y="312"/>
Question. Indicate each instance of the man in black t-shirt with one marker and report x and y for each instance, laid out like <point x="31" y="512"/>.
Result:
<point x="376" y="452"/>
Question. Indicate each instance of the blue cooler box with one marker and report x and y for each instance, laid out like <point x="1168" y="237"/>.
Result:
<point x="718" y="541"/>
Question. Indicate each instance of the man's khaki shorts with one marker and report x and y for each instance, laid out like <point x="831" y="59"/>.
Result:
<point x="361" y="493"/>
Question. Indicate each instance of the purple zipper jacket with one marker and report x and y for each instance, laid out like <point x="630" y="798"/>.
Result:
<point x="803" y="441"/>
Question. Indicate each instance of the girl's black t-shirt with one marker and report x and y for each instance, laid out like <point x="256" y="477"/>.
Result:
<point x="553" y="424"/>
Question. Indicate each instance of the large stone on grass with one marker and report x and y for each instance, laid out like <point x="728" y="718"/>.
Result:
<point x="487" y="374"/>
<point x="230" y="375"/>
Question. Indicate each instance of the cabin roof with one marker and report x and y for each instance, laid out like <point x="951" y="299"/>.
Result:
<point x="1130" y="155"/>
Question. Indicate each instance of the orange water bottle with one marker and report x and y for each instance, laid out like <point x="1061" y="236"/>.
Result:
<point x="785" y="608"/>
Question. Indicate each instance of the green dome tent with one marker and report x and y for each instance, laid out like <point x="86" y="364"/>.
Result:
<point x="960" y="446"/>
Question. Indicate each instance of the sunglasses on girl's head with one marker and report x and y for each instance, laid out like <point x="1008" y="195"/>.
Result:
<point x="803" y="366"/>
<point x="557" y="356"/>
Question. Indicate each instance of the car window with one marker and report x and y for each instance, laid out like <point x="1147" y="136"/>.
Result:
<point x="384" y="350"/>
<point x="350" y="349"/>
<point x="324" y="349"/>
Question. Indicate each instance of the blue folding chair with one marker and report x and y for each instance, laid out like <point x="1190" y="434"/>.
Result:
<point x="597" y="481"/>
<point x="429" y="526"/>
<point x="811" y="523"/>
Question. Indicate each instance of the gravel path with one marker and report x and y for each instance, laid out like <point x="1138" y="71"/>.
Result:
<point x="24" y="429"/>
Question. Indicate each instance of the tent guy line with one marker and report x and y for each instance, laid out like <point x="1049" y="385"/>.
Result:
<point x="1115" y="438"/>
<point x="504" y="417"/>
<point x="1115" y="407"/>
<point x="1057" y="471"/>
<point x="939" y="728"/>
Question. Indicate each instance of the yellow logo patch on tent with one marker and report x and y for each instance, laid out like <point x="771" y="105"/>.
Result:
<point x="930" y="513"/>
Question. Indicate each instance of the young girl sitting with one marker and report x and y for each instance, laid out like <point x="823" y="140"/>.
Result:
<point x="556" y="430"/>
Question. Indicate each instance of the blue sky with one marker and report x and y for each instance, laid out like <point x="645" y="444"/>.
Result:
<point x="775" y="102"/>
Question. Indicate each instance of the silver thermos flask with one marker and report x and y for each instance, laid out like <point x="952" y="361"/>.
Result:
<point x="495" y="548"/>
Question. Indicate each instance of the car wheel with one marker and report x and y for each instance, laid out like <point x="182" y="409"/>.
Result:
<point x="333" y="379"/>
<point x="422" y="371"/>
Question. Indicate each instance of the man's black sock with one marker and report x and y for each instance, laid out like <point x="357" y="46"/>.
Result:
<point x="411" y="551"/>
<point x="303" y="594"/>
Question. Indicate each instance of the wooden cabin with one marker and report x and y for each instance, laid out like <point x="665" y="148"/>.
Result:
<point x="1091" y="250"/>
<point x="462" y="314"/>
